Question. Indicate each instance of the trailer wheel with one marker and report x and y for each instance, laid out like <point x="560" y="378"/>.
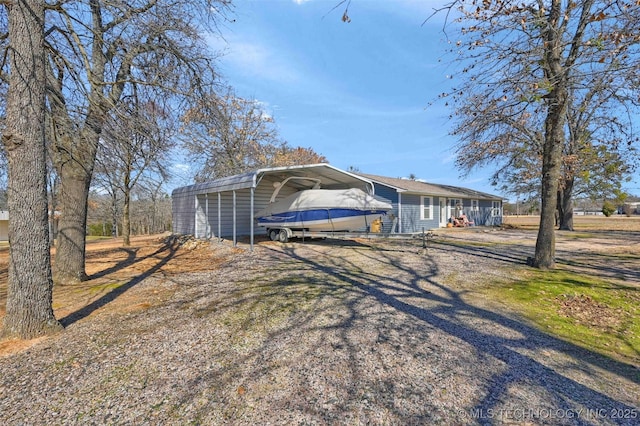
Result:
<point x="283" y="237"/>
<point x="274" y="235"/>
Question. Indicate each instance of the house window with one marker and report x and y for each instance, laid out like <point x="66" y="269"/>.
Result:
<point x="455" y="207"/>
<point x="475" y="206"/>
<point x="495" y="208"/>
<point x="426" y="208"/>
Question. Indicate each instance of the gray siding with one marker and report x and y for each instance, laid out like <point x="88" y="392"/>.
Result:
<point x="411" y="206"/>
<point x="210" y="216"/>
<point x="484" y="216"/>
<point x="391" y="195"/>
<point x="411" y="221"/>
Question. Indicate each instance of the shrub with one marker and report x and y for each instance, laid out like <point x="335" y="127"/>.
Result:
<point x="608" y="208"/>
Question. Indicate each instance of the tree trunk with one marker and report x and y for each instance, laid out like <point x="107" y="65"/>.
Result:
<point x="126" y="222"/>
<point x="114" y="214"/>
<point x="30" y="287"/>
<point x="53" y="228"/>
<point x="70" y="249"/>
<point x="565" y="205"/>
<point x="556" y="102"/>
<point x="551" y="171"/>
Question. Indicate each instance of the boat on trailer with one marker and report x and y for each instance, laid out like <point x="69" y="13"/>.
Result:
<point x="319" y="210"/>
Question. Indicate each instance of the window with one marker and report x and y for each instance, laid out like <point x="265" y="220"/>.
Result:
<point x="426" y="210"/>
<point x="475" y="206"/>
<point x="495" y="208"/>
<point x="455" y="207"/>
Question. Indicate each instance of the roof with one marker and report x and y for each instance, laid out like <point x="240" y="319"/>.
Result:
<point x="415" y="186"/>
<point x="330" y="177"/>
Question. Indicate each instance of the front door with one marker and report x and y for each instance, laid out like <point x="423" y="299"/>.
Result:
<point x="443" y="212"/>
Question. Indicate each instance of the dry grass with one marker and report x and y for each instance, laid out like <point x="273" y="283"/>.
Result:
<point x="581" y="223"/>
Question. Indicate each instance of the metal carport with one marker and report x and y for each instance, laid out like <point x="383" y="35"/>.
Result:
<point x="225" y="207"/>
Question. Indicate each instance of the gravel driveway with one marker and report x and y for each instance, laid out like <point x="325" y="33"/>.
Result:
<point x="326" y="332"/>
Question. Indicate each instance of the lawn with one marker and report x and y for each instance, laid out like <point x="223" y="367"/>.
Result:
<point x="598" y="314"/>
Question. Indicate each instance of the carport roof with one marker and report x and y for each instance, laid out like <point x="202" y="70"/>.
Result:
<point x="331" y="177"/>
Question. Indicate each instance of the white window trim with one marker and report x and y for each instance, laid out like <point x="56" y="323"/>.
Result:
<point x="496" y="211"/>
<point x="422" y="207"/>
<point x="475" y="205"/>
<point x="453" y="202"/>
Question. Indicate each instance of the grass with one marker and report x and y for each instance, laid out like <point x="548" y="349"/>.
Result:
<point x="589" y="312"/>
<point x="581" y="223"/>
<point x="91" y="238"/>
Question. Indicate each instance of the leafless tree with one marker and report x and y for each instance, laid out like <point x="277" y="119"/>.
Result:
<point x="30" y="286"/>
<point x="98" y="51"/>
<point x="227" y="135"/>
<point x="136" y="142"/>
<point x="527" y="67"/>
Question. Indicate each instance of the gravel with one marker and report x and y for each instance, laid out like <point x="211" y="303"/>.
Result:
<point x="320" y="332"/>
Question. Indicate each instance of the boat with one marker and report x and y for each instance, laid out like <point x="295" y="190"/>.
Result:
<point x="321" y="210"/>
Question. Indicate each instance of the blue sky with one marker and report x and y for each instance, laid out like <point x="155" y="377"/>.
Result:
<point x="357" y="93"/>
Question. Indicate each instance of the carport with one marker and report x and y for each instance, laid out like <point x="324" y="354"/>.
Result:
<point x="224" y="208"/>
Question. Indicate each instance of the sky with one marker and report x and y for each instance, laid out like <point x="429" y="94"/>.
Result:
<point x="359" y="93"/>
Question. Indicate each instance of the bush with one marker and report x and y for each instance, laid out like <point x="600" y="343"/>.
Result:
<point x="99" y="229"/>
<point x="608" y="208"/>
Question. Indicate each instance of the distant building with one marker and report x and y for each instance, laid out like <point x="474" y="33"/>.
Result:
<point x="4" y="225"/>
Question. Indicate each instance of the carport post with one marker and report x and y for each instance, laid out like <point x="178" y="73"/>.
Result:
<point x="195" y="222"/>
<point x="234" y="218"/>
<point x="206" y="214"/>
<point x="253" y="190"/>
<point x="219" y="218"/>
<point x="400" y="212"/>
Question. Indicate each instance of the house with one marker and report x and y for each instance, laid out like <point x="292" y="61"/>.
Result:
<point x="226" y="207"/>
<point x="419" y="205"/>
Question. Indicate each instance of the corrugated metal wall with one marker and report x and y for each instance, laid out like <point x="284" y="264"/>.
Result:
<point x="183" y="213"/>
<point x="225" y="228"/>
<point x="204" y="223"/>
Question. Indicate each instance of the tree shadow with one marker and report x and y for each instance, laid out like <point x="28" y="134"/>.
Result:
<point x="168" y="249"/>
<point x="128" y="261"/>
<point x="448" y="315"/>
<point x="381" y="287"/>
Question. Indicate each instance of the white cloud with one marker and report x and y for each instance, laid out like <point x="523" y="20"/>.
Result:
<point x="301" y="1"/>
<point x="254" y="58"/>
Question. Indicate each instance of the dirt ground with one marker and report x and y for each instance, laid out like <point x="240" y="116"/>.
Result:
<point x="109" y="264"/>
<point x="177" y="331"/>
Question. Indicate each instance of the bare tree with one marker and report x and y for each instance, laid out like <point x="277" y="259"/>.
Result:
<point x="596" y="155"/>
<point x="135" y="143"/>
<point x="99" y="50"/>
<point x="526" y="66"/>
<point x="286" y="155"/>
<point x="29" y="292"/>
<point x="227" y="135"/>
